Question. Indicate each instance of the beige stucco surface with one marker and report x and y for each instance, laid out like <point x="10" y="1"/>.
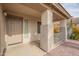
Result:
<point x="32" y="34"/>
<point x="46" y="42"/>
<point x="2" y="32"/>
<point x="32" y="29"/>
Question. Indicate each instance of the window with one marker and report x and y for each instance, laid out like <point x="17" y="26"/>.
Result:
<point x="38" y="27"/>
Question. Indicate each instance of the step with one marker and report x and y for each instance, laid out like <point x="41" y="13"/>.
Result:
<point x="72" y="43"/>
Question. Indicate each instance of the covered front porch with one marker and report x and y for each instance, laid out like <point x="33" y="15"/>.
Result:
<point x="31" y="26"/>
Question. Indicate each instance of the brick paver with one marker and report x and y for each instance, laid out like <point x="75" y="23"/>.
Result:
<point x="65" y="50"/>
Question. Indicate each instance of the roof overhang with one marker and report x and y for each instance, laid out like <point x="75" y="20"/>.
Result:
<point x="27" y="9"/>
<point x="35" y="9"/>
<point x="58" y="9"/>
<point x="62" y="9"/>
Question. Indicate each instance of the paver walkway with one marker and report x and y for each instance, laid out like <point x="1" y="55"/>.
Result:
<point x="69" y="48"/>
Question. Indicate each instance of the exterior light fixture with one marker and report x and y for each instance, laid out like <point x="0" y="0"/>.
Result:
<point x="5" y="13"/>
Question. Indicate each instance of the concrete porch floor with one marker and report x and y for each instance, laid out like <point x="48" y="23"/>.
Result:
<point x="29" y="49"/>
<point x="68" y="48"/>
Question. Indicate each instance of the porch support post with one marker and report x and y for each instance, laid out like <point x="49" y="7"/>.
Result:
<point x="47" y="35"/>
<point x="66" y="29"/>
<point x="2" y="32"/>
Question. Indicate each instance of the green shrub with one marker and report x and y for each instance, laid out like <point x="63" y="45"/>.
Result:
<point x="77" y="36"/>
<point x="74" y="36"/>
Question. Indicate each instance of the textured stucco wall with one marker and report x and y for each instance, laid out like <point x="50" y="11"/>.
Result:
<point x="32" y="29"/>
<point x="2" y="32"/>
<point x="46" y="42"/>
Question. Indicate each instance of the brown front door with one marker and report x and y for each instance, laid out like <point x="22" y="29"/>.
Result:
<point x="14" y="30"/>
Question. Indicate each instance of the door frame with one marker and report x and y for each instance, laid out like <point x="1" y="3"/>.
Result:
<point x="26" y="35"/>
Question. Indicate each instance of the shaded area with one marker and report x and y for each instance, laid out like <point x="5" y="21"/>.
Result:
<point x="30" y="49"/>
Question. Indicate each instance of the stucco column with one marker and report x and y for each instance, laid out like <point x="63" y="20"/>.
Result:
<point x="66" y="29"/>
<point x="2" y="32"/>
<point x="46" y="42"/>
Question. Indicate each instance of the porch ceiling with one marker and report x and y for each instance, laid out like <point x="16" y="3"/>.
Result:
<point x="35" y="6"/>
<point x="31" y="9"/>
<point x="56" y="17"/>
<point x="25" y="9"/>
